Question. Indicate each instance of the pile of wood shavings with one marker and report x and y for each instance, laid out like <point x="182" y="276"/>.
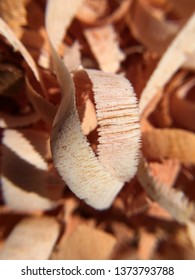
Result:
<point x="150" y="42"/>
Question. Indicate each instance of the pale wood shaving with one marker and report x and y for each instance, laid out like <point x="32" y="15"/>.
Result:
<point x="72" y="57"/>
<point x="67" y="129"/>
<point x="79" y="167"/>
<point x="165" y="172"/>
<point x="89" y="122"/>
<point x="175" y="202"/>
<point x="16" y="142"/>
<point x="87" y="170"/>
<point x="78" y="246"/>
<point x="26" y="159"/>
<point x="59" y="15"/>
<point x="39" y="140"/>
<point x="177" y="144"/>
<point x="22" y="200"/>
<point x="175" y="56"/>
<point x="105" y="47"/>
<point x="76" y="162"/>
<point x="31" y="239"/>
<point x="156" y="210"/>
<point x="44" y="58"/>
<point x="118" y="120"/>
<point x="18" y="192"/>
<point x="137" y="226"/>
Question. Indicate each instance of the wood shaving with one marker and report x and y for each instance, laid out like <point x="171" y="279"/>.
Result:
<point x="22" y="200"/>
<point x="72" y="57"/>
<point x="175" y="202"/>
<point x="104" y="45"/>
<point x="177" y="144"/>
<point x="31" y="239"/>
<point x="177" y="53"/>
<point x="55" y="87"/>
<point x="62" y="12"/>
<point x="89" y="122"/>
<point x="159" y="32"/>
<point x="118" y="120"/>
<point x="14" y="140"/>
<point x="78" y="245"/>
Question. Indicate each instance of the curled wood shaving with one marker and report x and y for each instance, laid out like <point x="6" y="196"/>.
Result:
<point x="16" y="142"/>
<point x="164" y="173"/>
<point x="72" y="155"/>
<point x="25" y="176"/>
<point x="78" y="246"/>
<point x="169" y="143"/>
<point x="173" y="201"/>
<point x="118" y="119"/>
<point x="31" y="239"/>
<point x="39" y="140"/>
<point x="175" y="56"/>
<point x="183" y="110"/>
<point x="104" y="45"/>
<point x="83" y="173"/>
<point x="159" y="32"/>
<point x="60" y="14"/>
<point x="22" y="200"/>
